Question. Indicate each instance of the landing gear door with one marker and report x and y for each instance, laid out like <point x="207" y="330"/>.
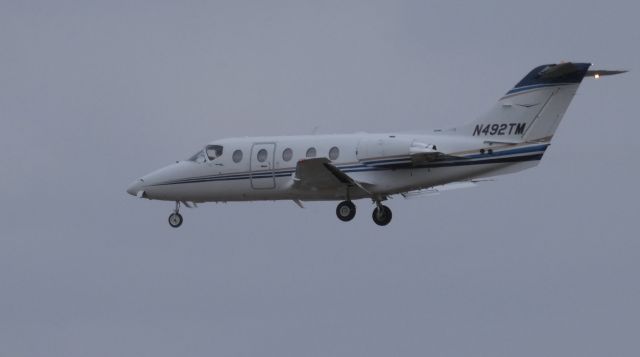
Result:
<point x="262" y="161"/>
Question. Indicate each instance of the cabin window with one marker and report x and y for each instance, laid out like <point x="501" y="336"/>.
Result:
<point x="262" y="155"/>
<point x="287" y="154"/>
<point x="237" y="156"/>
<point x="311" y="152"/>
<point x="213" y="151"/>
<point x="334" y="153"/>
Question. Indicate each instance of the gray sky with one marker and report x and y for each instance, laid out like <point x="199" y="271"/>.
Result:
<point x="94" y="94"/>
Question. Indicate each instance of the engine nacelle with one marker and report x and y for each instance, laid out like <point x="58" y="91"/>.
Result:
<point x="392" y="146"/>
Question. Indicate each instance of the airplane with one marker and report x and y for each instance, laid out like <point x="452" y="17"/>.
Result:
<point x="512" y="136"/>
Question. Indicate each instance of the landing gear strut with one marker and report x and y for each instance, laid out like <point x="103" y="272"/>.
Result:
<point x="175" y="218"/>
<point x="381" y="214"/>
<point x="345" y="211"/>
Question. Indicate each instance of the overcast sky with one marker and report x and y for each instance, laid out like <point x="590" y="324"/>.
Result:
<point x="93" y="94"/>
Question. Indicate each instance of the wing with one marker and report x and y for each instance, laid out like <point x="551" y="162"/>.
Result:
<point x="319" y="173"/>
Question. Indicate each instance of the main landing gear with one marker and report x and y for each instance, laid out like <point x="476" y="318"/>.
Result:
<point x="381" y="214"/>
<point x="175" y="218"/>
<point x="346" y="210"/>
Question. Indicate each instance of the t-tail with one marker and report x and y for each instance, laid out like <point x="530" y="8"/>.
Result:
<point x="532" y="110"/>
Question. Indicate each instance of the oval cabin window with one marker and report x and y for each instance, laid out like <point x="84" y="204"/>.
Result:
<point x="287" y="154"/>
<point x="334" y="153"/>
<point x="237" y="156"/>
<point x="262" y="155"/>
<point x="311" y="152"/>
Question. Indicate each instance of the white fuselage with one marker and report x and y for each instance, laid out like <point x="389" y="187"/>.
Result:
<point x="382" y="161"/>
<point x="512" y="136"/>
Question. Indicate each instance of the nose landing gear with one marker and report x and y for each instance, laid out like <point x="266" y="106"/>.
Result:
<point x="175" y="218"/>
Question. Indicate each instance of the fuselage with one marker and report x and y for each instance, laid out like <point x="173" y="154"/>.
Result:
<point x="511" y="136"/>
<point x="263" y="168"/>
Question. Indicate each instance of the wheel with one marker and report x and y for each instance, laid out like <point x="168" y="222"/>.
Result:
<point x="381" y="215"/>
<point x="345" y="211"/>
<point x="175" y="220"/>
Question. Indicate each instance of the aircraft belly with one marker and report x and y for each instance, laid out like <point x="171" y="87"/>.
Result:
<point x="398" y="181"/>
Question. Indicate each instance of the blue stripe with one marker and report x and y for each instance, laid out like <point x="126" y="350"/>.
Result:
<point x="373" y="162"/>
<point x="512" y="151"/>
<point x="487" y="159"/>
<point x="398" y="161"/>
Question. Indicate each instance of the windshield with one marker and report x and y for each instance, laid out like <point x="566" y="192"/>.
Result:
<point x="213" y="151"/>
<point x="198" y="157"/>
<point x="210" y="152"/>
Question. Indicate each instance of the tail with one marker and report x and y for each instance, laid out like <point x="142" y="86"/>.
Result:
<point x="532" y="110"/>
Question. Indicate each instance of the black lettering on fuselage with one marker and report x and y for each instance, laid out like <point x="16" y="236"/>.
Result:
<point x="499" y="129"/>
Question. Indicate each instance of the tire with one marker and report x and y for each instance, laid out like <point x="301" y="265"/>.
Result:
<point x="345" y="211"/>
<point x="175" y="220"/>
<point x="382" y="215"/>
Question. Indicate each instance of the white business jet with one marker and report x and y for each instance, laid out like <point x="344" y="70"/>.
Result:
<point x="511" y="137"/>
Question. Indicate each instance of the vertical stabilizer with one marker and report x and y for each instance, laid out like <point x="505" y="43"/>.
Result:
<point x="532" y="109"/>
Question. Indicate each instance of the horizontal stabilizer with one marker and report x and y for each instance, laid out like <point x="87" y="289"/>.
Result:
<point x="597" y="73"/>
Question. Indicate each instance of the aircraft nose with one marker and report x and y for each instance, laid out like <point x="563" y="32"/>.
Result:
<point x="135" y="187"/>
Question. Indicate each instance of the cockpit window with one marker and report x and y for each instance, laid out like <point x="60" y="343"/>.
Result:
<point x="198" y="157"/>
<point x="213" y="151"/>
